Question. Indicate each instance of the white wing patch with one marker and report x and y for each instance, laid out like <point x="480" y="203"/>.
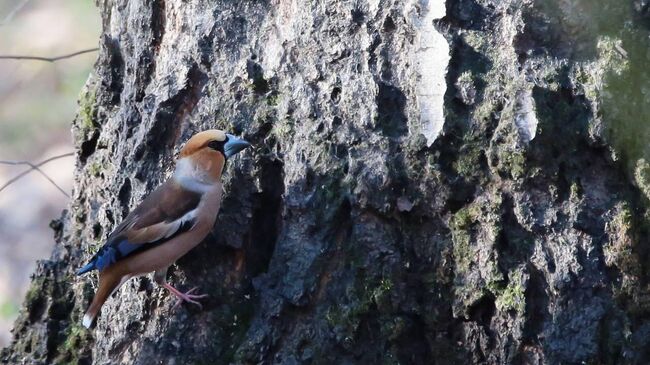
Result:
<point x="162" y="230"/>
<point x="177" y="224"/>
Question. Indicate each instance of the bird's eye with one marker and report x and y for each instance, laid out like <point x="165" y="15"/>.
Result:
<point x="216" y="145"/>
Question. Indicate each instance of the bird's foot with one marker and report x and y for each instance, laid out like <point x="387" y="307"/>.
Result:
<point x="185" y="297"/>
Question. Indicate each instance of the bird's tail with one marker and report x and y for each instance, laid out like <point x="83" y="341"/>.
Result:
<point x="89" y="317"/>
<point x="107" y="285"/>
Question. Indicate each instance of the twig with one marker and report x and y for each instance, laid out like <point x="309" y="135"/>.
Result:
<point x="37" y="168"/>
<point x="47" y="59"/>
<point x="13" y="12"/>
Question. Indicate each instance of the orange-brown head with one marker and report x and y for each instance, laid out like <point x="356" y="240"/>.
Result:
<point x="203" y="157"/>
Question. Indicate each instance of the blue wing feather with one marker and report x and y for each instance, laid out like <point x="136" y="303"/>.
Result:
<point x="119" y="248"/>
<point x="166" y="203"/>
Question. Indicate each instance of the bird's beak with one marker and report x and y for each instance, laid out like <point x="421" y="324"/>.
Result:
<point x="234" y="145"/>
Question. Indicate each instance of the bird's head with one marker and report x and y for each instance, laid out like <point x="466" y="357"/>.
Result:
<point x="204" y="155"/>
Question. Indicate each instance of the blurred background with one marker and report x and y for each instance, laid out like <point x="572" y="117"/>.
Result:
<point x="38" y="101"/>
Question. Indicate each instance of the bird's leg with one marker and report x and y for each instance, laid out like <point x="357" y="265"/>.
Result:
<point x="159" y="277"/>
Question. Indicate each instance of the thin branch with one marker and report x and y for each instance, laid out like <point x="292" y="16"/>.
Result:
<point x="13" y="12"/>
<point x="37" y="168"/>
<point x="48" y="59"/>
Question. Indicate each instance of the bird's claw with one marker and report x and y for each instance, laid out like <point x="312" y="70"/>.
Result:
<point x="185" y="297"/>
<point x="198" y="296"/>
<point x="189" y="297"/>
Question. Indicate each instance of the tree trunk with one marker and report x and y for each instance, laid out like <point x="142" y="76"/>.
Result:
<point x="356" y="231"/>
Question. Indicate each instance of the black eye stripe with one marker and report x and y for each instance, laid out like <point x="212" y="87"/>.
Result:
<point x="217" y="145"/>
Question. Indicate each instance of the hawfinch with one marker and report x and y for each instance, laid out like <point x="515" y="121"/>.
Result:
<point x="168" y="223"/>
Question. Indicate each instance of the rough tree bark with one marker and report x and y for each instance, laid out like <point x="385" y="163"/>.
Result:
<point x="352" y="233"/>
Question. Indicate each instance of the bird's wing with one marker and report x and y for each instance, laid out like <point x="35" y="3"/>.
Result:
<point x="166" y="212"/>
<point x="159" y="215"/>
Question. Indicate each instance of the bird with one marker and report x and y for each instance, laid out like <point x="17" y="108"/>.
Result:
<point x="168" y="223"/>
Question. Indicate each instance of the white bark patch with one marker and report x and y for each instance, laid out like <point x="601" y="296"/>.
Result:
<point x="525" y="115"/>
<point x="431" y="58"/>
<point x="282" y="30"/>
